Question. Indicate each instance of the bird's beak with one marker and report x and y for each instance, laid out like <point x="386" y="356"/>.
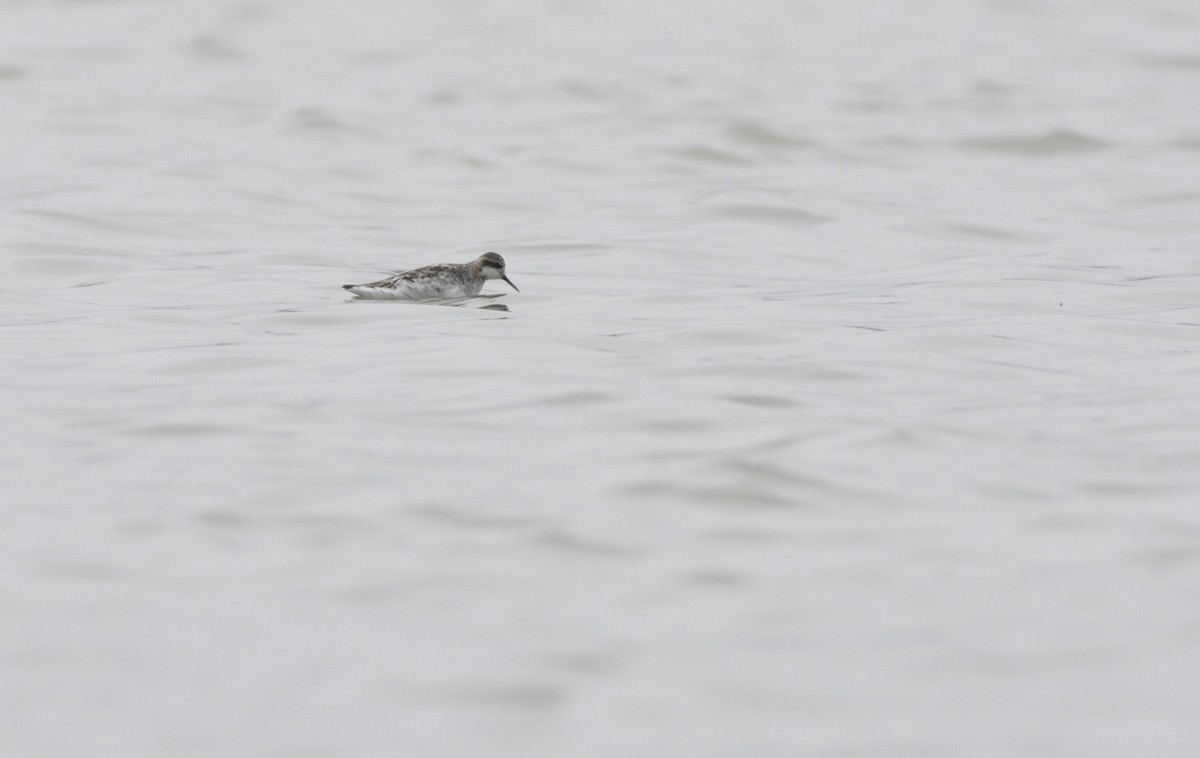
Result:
<point x="510" y="284"/>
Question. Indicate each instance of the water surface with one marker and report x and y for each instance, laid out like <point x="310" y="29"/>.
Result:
<point x="848" y="406"/>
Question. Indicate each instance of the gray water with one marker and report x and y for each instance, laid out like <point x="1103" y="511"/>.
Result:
<point x="848" y="407"/>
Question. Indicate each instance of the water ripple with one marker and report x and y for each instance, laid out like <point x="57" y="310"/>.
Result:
<point x="1053" y="142"/>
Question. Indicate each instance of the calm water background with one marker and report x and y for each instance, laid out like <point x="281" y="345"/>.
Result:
<point x="849" y="406"/>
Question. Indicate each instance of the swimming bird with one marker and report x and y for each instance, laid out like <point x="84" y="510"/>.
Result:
<point x="441" y="280"/>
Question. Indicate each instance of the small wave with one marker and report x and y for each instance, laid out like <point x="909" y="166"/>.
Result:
<point x="179" y="429"/>
<point x="709" y="155"/>
<point x="763" y="401"/>
<point x="81" y="221"/>
<point x="1168" y="61"/>
<point x="757" y="135"/>
<point x="1053" y="142"/>
<point x="771" y="213"/>
<point x="318" y="120"/>
<point x="210" y="47"/>
<point x="1190" y="142"/>
<point x="984" y="232"/>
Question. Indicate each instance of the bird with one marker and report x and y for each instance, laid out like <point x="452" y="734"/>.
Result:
<point x="439" y="281"/>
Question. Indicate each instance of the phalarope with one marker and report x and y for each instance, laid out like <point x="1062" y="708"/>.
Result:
<point x="442" y="280"/>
